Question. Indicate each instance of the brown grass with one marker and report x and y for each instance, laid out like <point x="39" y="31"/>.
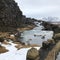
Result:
<point x="5" y="42"/>
<point x="32" y="45"/>
<point x="19" y="46"/>
<point x="3" y="49"/>
<point x="4" y="34"/>
<point x="29" y="27"/>
<point x="16" y="42"/>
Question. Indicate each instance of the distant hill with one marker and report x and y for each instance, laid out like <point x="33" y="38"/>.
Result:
<point x="51" y="19"/>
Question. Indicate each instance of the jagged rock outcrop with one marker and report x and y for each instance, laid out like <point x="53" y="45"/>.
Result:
<point x="28" y="21"/>
<point x="10" y="14"/>
<point x="51" y="27"/>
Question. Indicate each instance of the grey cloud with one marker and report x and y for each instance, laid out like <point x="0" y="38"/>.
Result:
<point x="35" y="8"/>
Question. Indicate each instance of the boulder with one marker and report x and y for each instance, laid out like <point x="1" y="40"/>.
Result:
<point x="45" y="45"/>
<point x="57" y="37"/>
<point x="32" y="54"/>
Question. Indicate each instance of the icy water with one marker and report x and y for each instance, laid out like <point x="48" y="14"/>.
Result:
<point x="36" y="35"/>
<point x="58" y="57"/>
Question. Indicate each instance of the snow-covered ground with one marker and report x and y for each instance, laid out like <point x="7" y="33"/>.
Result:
<point x="13" y="53"/>
<point x="58" y="57"/>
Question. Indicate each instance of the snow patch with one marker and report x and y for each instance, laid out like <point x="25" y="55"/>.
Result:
<point x="13" y="53"/>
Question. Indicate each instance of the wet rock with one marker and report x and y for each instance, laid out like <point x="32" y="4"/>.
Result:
<point x="35" y="35"/>
<point x="1" y="39"/>
<point x="43" y="37"/>
<point x="32" y="54"/>
<point x="48" y="44"/>
<point x="45" y="45"/>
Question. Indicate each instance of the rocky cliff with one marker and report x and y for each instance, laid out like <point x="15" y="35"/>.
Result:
<point x="51" y="27"/>
<point x="10" y="14"/>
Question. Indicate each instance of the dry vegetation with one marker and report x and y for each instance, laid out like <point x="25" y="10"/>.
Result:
<point x="4" y="34"/>
<point x="6" y="42"/>
<point x="3" y="49"/>
<point x="29" y="27"/>
<point x="19" y="46"/>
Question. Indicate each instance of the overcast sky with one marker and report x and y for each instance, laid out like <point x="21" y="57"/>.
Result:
<point x="40" y="8"/>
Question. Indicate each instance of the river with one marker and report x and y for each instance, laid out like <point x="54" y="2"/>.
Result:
<point x="36" y="35"/>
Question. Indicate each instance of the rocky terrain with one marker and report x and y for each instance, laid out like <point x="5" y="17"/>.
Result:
<point x="13" y="22"/>
<point x="51" y="27"/>
<point x="48" y="51"/>
<point x="11" y="17"/>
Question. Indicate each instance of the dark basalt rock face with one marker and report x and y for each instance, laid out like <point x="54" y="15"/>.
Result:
<point x="10" y="14"/>
<point x="51" y="27"/>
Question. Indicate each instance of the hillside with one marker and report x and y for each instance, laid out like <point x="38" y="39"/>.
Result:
<point x="11" y="17"/>
<point x="10" y="14"/>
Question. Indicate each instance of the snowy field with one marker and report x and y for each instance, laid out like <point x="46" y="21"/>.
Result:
<point x="13" y="53"/>
<point x="58" y="57"/>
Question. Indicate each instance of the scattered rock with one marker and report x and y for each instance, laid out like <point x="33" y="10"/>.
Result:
<point x="43" y="37"/>
<point x="37" y="35"/>
<point x="32" y="54"/>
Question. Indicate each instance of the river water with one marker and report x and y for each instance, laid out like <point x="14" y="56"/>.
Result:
<point x="36" y="35"/>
